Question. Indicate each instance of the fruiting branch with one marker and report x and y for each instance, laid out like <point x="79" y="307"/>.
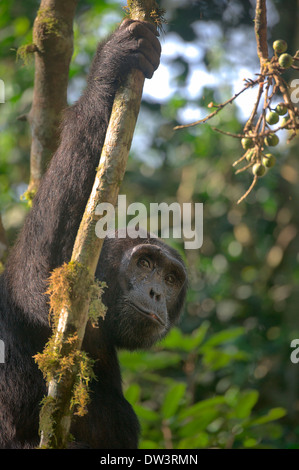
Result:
<point x="258" y="132"/>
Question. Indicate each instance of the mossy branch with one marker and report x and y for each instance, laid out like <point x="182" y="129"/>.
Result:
<point x="73" y="293"/>
<point x="52" y="48"/>
<point x="73" y="310"/>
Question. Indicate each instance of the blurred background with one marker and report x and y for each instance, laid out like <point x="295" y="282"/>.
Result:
<point x="223" y="377"/>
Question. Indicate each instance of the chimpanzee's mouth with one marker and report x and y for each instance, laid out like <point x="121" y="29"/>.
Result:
<point x="153" y="316"/>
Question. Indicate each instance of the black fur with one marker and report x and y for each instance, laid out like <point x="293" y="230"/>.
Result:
<point x="46" y="241"/>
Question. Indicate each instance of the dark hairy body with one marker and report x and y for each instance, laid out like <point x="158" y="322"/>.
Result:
<point x="146" y="279"/>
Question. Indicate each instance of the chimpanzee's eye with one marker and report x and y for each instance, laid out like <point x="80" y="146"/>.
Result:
<point x="170" y="278"/>
<point x="144" y="263"/>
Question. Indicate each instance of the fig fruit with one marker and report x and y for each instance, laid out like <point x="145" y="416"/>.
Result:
<point x="271" y="140"/>
<point x="280" y="46"/>
<point x="247" y="143"/>
<point x="272" y="117"/>
<point x="258" y="169"/>
<point x="269" y="160"/>
<point x="285" y="61"/>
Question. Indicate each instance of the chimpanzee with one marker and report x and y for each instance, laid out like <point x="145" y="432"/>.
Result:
<point x="146" y="279"/>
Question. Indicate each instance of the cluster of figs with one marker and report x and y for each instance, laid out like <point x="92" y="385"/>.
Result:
<point x="273" y="116"/>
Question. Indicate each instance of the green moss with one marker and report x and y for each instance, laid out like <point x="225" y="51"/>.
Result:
<point x="96" y="307"/>
<point x="67" y="284"/>
<point x="157" y="16"/>
<point x="54" y="364"/>
<point x="80" y="395"/>
<point x="28" y="196"/>
<point x="25" y="52"/>
<point x="46" y="417"/>
<point x="49" y="24"/>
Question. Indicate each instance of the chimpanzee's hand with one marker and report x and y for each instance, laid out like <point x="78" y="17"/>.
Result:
<point x="134" y="45"/>
<point x="140" y="38"/>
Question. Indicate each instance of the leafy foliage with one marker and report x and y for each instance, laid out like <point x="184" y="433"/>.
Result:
<point x="172" y="419"/>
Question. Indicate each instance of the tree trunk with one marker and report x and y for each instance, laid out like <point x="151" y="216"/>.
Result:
<point x="53" y="48"/>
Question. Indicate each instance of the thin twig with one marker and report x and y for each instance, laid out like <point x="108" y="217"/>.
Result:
<point x="245" y="168"/>
<point x="249" y="189"/>
<point x="237" y="136"/>
<point x="248" y="125"/>
<point x="242" y="158"/>
<point x="219" y="107"/>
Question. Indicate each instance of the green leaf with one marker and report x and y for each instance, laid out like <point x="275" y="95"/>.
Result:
<point x="145" y="413"/>
<point x="143" y="361"/>
<point x="232" y="396"/>
<point x="200" y="441"/>
<point x="272" y="415"/>
<point x="172" y="400"/>
<point x="199" y="423"/>
<point x="198" y="408"/>
<point x="200" y="334"/>
<point x="245" y="404"/>
<point x="223" y="337"/>
<point x="132" y="394"/>
<point x="177" y="340"/>
<point x="147" y="444"/>
<point x="250" y="442"/>
<point x="217" y="358"/>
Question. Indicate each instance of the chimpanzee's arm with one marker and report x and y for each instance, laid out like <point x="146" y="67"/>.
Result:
<point x="48" y="235"/>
